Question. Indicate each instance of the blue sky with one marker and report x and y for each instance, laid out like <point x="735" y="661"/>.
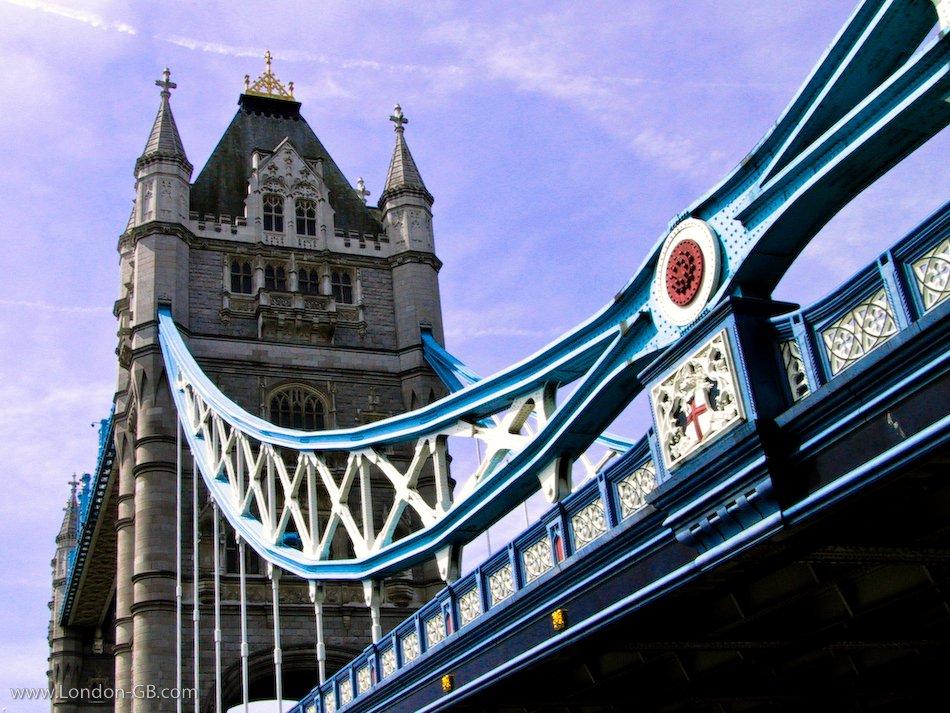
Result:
<point x="558" y="139"/>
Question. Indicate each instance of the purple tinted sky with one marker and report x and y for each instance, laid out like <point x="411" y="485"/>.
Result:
<point x="558" y="138"/>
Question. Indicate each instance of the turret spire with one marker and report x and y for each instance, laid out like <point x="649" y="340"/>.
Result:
<point x="164" y="141"/>
<point x="403" y="174"/>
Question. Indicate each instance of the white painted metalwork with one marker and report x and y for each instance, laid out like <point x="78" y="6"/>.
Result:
<point x="537" y="559"/>
<point x="318" y="596"/>
<point x="932" y="274"/>
<point x="364" y="679"/>
<point x="859" y="331"/>
<point x="634" y="488"/>
<point x="274" y="573"/>
<point x="470" y="606"/>
<point x="501" y="584"/>
<point x="216" y="537"/>
<point x="588" y="523"/>
<point x="178" y="563"/>
<point x="346" y="691"/>
<point x="410" y="647"/>
<point x="435" y="630"/>
<point x="195" y="608"/>
<point x="794" y="369"/>
<point x="242" y="575"/>
<point x="388" y="660"/>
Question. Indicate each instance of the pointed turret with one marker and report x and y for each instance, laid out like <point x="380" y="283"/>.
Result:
<point x="164" y="142"/>
<point x="162" y="172"/>
<point x="403" y="176"/>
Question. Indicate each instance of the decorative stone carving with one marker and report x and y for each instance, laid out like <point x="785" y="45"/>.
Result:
<point x="633" y="489"/>
<point x="932" y="273"/>
<point x="697" y="402"/>
<point x="858" y="332"/>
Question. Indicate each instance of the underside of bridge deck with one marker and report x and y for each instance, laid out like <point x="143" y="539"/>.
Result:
<point x="849" y="612"/>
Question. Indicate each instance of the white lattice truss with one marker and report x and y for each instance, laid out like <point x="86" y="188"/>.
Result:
<point x="306" y="494"/>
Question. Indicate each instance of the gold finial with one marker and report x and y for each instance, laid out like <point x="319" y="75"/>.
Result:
<point x="398" y="118"/>
<point x="165" y="84"/>
<point x="267" y="85"/>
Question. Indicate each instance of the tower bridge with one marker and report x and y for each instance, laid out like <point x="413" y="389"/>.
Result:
<point x="273" y="512"/>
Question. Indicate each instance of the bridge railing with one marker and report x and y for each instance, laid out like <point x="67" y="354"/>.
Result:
<point x="821" y="342"/>
<point x="603" y="503"/>
<point x="914" y="275"/>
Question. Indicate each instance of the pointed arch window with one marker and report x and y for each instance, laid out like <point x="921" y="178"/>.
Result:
<point x="298" y="407"/>
<point x="275" y="278"/>
<point x="342" y="286"/>
<point x="309" y="281"/>
<point x="273" y="213"/>
<point x="306" y="216"/>
<point x="241" y="277"/>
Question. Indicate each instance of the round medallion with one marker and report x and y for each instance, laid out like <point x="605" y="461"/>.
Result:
<point x="687" y="271"/>
<point x="684" y="272"/>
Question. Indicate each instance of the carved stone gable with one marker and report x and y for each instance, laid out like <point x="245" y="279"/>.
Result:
<point x="698" y="402"/>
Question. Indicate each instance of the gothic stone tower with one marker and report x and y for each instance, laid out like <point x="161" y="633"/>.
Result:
<point x="304" y="305"/>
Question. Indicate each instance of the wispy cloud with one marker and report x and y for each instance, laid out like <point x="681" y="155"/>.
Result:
<point x="88" y="18"/>
<point x="49" y="307"/>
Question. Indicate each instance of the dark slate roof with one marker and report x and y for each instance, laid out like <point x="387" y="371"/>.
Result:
<point x="164" y="140"/>
<point x="262" y="123"/>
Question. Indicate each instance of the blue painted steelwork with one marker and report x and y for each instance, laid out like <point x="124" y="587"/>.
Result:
<point x="91" y="500"/>
<point x="647" y="528"/>
<point x="867" y="105"/>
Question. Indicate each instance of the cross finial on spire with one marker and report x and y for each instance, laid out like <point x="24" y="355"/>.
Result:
<point x="165" y="84"/>
<point x="267" y="58"/>
<point x="398" y="118"/>
<point x="361" y="189"/>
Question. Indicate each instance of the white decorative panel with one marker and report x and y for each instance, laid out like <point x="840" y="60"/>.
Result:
<point x="588" y="524"/>
<point x="537" y="559"/>
<point x="470" y="608"/>
<point x="698" y="401"/>
<point x="435" y="630"/>
<point x="364" y="680"/>
<point x="795" y="369"/>
<point x="388" y="660"/>
<point x="633" y="489"/>
<point x="932" y="272"/>
<point x="501" y="584"/>
<point x="346" y="692"/>
<point x="329" y="703"/>
<point x="410" y="647"/>
<point x="863" y="329"/>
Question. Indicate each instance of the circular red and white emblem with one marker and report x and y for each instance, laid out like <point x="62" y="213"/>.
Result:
<point x="687" y="272"/>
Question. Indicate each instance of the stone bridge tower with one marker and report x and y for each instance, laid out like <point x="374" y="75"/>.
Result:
<point x="304" y="305"/>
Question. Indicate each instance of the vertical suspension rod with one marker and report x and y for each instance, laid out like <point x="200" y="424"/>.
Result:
<point x="178" y="558"/>
<point x="278" y="656"/>
<point x="244" y="651"/>
<point x="217" y="607"/>
<point x="195" y="611"/>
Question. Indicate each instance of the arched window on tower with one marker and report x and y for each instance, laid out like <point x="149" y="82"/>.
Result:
<point x="298" y="407"/>
<point x="275" y="278"/>
<point x="306" y="216"/>
<point x="308" y="281"/>
<point x="342" y="286"/>
<point x="273" y="213"/>
<point x="241" y="277"/>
